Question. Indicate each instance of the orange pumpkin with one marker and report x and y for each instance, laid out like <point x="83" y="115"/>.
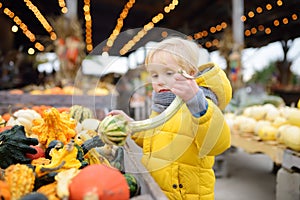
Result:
<point x="99" y="181"/>
<point x="6" y="116"/>
<point x="4" y="191"/>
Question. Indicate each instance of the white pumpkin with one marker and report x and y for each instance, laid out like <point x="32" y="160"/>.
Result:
<point x="267" y="133"/>
<point x="229" y="117"/>
<point x="23" y="117"/>
<point x="281" y="131"/>
<point x="271" y="113"/>
<point x="240" y="119"/>
<point x="90" y="124"/>
<point x="292" y="138"/>
<point x="260" y="124"/>
<point x="279" y="121"/>
<point x="294" y="117"/>
<point x="285" y="111"/>
<point x="257" y="112"/>
<point x="248" y="125"/>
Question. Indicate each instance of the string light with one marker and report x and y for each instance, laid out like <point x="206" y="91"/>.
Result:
<point x="88" y="25"/>
<point x="63" y="6"/>
<point x="269" y="6"/>
<point x="248" y="32"/>
<point x="147" y="27"/>
<point x="119" y="25"/>
<point x="279" y="3"/>
<point x="212" y="29"/>
<point x="259" y="10"/>
<point x="23" y="27"/>
<point x="41" y="18"/>
<point x="268" y="30"/>
<point x="251" y="14"/>
<point x="31" y="51"/>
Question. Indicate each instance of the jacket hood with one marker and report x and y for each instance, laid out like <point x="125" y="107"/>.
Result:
<point x="214" y="78"/>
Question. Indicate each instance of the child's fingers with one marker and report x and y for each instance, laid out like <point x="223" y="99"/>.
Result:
<point x="115" y="112"/>
<point x="179" y="77"/>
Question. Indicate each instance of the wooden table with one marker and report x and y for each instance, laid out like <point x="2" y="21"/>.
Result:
<point x="252" y="144"/>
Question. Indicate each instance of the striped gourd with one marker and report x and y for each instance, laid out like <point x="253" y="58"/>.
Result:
<point x="80" y="113"/>
<point x="115" y="128"/>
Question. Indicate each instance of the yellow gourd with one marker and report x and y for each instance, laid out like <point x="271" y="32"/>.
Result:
<point x="294" y="117"/>
<point x="281" y="131"/>
<point x="292" y="138"/>
<point x="267" y="133"/>
<point x="257" y="112"/>
<point x="54" y="126"/>
<point x="260" y="124"/>
<point x="248" y="125"/>
<point x="20" y="179"/>
<point x="279" y="121"/>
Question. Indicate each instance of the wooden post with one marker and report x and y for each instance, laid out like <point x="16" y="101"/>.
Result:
<point x="72" y="9"/>
<point x="237" y="23"/>
<point x="238" y="39"/>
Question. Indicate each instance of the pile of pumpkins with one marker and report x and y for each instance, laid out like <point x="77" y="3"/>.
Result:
<point x="42" y="156"/>
<point x="269" y="123"/>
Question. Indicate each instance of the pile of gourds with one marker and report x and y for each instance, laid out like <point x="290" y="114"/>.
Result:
<point x="269" y="123"/>
<point x="63" y="155"/>
<point x="69" y="154"/>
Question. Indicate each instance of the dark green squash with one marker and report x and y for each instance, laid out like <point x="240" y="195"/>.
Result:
<point x="14" y="145"/>
<point x="133" y="184"/>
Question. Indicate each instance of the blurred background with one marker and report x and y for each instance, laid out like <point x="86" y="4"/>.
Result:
<point x="71" y="48"/>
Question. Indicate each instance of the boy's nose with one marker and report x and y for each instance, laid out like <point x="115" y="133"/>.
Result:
<point x="161" y="81"/>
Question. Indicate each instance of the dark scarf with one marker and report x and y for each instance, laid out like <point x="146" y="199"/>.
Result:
<point x="161" y="100"/>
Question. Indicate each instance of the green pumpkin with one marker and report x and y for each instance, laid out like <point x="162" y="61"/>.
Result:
<point x="80" y="113"/>
<point x="113" y="130"/>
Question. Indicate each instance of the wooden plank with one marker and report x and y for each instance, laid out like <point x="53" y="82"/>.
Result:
<point x="252" y="145"/>
<point x="291" y="160"/>
<point x="133" y="165"/>
<point x="142" y="197"/>
<point x="108" y="101"/>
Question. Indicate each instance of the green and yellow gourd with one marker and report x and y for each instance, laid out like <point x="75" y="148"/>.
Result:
<point x="80" y="113"/>
<point x="114" y="129"/>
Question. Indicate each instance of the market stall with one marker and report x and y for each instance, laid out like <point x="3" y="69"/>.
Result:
<point x="275" y="133"/>
<point x="68" y="145"/>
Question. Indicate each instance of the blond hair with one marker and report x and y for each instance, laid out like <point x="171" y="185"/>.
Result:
<point x="184" y="52"/>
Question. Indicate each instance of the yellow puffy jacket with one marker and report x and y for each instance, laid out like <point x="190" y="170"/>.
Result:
<point x="180" y="153"/>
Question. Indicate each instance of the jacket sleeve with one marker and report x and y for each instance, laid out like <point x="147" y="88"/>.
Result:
<point x="138" y="137"/>
<point x="213" y="135"/>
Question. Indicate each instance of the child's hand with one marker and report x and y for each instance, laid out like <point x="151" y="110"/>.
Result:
<point x="120" y="112"/>
<point x="185" y="88"/>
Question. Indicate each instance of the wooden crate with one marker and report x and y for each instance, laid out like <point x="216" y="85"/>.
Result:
<point x="97" y="103"/>
<point x="149" y="188"/>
